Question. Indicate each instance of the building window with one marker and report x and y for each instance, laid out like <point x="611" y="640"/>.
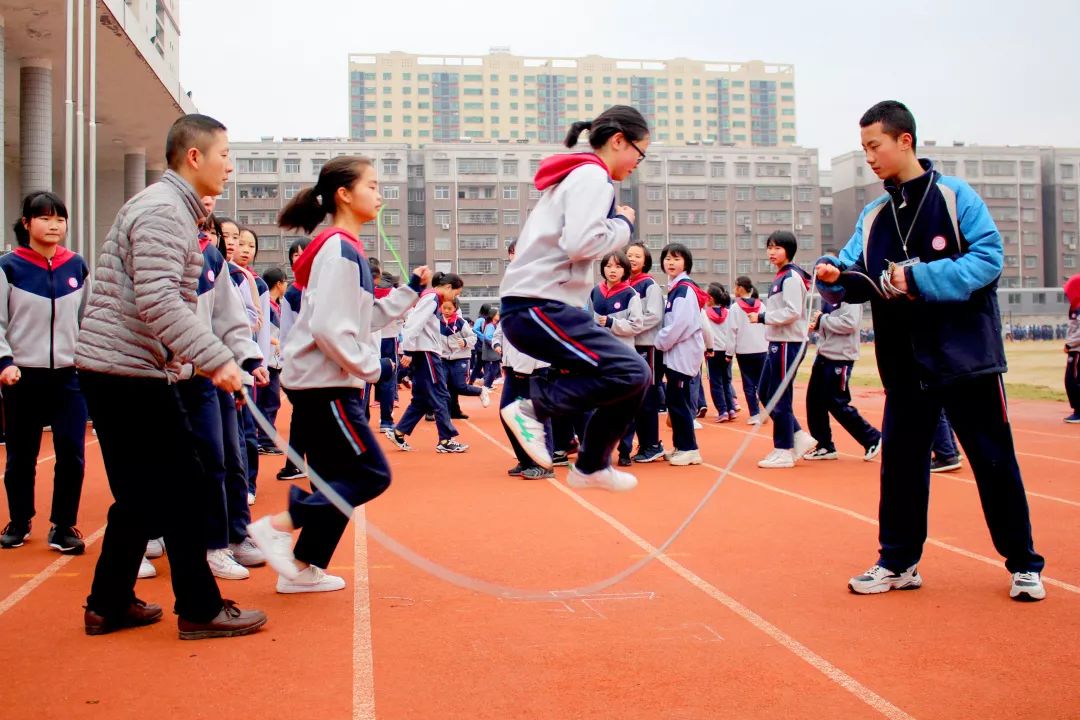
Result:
<point x="742" y="169"/>
<point x="477" y="166"/>
<point x="440" y="167"/>
<point x="510" y="167"/>
<point x="655" y="217"/>
<point x="291" y="190"/>
<point x="442" y="192"/>
<point x="442" y="219"/>
<point x="317" y="163"/>
<point x="510" y="192"/>
<point x="511" y="217"/>
<point x="478" y="217"/>
<point x="391" y="192"/>
<point x="291" y="166"/>
<point x="720" y="242"/>
<point x="1068" y="172"/>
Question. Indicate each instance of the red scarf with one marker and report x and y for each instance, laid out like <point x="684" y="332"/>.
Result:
<point x="702" y="296"/>
<point x="302" y="267"/>
<point x="618" y="287"/>
<point x="717" y="314"/>
<point x="750" y="306"/>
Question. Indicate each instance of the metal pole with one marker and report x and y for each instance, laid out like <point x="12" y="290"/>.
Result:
<point x="91" y="216"/>
<point x="80" y="136"/>
<point x="69" y="107"/>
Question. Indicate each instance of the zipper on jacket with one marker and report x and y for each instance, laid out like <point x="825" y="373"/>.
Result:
<point x="52" y="316"/>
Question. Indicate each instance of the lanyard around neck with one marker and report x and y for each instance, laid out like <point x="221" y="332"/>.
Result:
<point x="904" y="237"/>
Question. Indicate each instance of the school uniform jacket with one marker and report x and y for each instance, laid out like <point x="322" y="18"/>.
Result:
<point x="452" y="333"/>
<point x="331" y="343"/>
<point x="748" y="337"/>
<point x="219" y="306"/>
<point x="652" y="308"/>
<point x="41" y="305"/>
<point x="421" y="332"/>
<point x="718" y="322"/>
<point x="573" y="224"/>
<point x="784" y="315"/>
<point x="621" y="308"/>
<point x="681" y="338"/>
<point x="949" y="327"/>
<point x="838" y="330"/>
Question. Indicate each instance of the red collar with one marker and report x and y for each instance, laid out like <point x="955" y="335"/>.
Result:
<point x="717" y="314"/>
<point x="701" y="295"/>
<point x="554" y="169"/>
<point x="749" y="305"/>
<point x="617" y="288"/>
<point x="61" y="256"/>
<point x="641" y="277"/>
<point x="302" y="267"/>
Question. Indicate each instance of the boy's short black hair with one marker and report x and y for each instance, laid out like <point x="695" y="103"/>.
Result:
<point x="678" y="250"/>
<point x="273" y="276"/>
<point x="895" y="119"/>
<point x="784" y="239"/>
<point x="189" y="131"/>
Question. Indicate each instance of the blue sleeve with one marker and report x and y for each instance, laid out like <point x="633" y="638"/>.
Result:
<point x="950" y="280"/>
<point x="855" y="289"/>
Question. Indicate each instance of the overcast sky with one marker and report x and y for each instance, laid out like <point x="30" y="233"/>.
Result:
<point x="992" y="72"/>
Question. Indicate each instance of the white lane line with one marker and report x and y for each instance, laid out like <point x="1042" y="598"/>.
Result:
<point x="52" y="569"/>
<point x="363" y="689"/>
<point x="943" y="476"/>
<point x="871" y="521"/>
<point x="801" y="651"/>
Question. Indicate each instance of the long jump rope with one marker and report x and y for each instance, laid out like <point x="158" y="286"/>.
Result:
<point x="467" y="582"/>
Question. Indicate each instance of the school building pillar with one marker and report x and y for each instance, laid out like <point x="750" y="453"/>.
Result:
<point x="35" y="125"/>
<point x="135" y="173"/>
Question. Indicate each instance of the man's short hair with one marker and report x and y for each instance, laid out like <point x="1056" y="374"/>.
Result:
<point x="895" y="119"/>
<point x="189" y="131"/>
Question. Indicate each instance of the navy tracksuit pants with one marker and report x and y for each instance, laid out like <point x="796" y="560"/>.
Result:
<point x="590" y="368"/>
<point x="750" y="367"/>
<point x="977" y="408"/>
<point x="212" y="416"/>
<point x="647" y="421"/>
<point x="342" y="449"/>
<point x="829" y="392"/>
<point x="385" y="389"/>
<point x="778" y="363"/>
<point x="429" y="395"/>
<point x="45" y="397"/>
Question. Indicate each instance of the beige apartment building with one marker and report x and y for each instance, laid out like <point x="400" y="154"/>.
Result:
<point x="421" y="99"/>
<point x="457" y="206"/>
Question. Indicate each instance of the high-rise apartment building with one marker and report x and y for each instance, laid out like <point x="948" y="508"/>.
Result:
<point x="418" y="99"/>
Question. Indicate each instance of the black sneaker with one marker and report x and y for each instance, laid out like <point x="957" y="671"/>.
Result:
<point x="15" y="534"/>
<point x="430" y="417"/>
<point x="399" y="439"/>
<point x="649" y="455"/>
<point x="702" y="412"/>
<point x="537" y="473"/>
<point x="67" y="540"/>
<point x="516" y="470"/>
<point x="624" y="461"/>
<point x="291" y="472"/>
<point x="459" y="416"/>
<point x="945" y="464"/>
<point x="560" y="458"/>
<point x="450" y="446"/>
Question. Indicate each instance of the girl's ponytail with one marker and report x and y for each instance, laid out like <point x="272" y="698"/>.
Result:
<point x="575" y="132"/>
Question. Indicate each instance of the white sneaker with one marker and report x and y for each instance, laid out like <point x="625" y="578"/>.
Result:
<point x="608" y="479"/>
<point x="873" y="451"/>
<point x="1027" y="587"/>
<point x="878" y="580"/>
<point x="310" y="579"/>
<point x="753" y="419"/>
<point x="777" y="459"/>
<point x="804" y="443"/>
<point x="147" y="569"/>
<point x="497" y="382"/>
<point x="155" y="548"/>
<point x="224" y="565"/>
<point x="247" y="553"/>
<point x="485" y="397"/>
<point x="275" y="545"/>
<point x="697" y="425"/>
<point x="520" y="417"/>
<point x="251" y="499"/>
<point x="685" y="457"/>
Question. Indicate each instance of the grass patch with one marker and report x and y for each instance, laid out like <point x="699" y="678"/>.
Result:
<point x="1036" y="370"/>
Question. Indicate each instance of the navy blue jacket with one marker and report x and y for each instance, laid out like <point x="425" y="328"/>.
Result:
<point x="950" y="326"/>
